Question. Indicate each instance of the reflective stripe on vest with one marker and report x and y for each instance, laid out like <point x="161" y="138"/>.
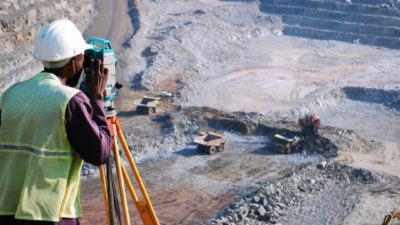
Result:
<point x="16" y="148"/>
<point x="39" y="170"/>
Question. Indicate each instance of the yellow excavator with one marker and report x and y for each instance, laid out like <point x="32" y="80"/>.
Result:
<point x="392" y="216"/>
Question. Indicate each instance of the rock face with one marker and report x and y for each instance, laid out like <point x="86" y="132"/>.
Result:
<point x="370" y="22"/>
<point x="20" y="20"/>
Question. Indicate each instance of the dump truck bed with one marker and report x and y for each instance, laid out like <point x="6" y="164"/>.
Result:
<point x="147" y="101"/>
<point x="210" y="139"/>
<point x="285" y="144"/>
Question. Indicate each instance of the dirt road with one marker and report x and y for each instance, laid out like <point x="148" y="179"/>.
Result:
<point x="112" y="22"/>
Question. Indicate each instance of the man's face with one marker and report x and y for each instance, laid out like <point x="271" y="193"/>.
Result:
<point x="73" y="80"/>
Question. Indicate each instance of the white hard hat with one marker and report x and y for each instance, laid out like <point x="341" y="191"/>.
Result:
<point x="59" y="41"/>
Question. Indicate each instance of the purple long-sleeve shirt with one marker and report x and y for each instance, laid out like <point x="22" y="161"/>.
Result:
<point x="87" y="129"/>
<point x="88" y="133"/>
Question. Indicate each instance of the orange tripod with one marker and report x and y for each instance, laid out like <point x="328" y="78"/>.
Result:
<point x="144" y="207"/>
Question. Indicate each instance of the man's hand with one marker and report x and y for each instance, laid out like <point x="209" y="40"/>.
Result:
<point x="96" y="78"/>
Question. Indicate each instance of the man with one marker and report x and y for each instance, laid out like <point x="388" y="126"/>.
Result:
<point x="47" y="129"/>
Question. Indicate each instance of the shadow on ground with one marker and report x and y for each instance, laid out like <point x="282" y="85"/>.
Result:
<point x="388" y="98"/>
<point x="189" y="152"/>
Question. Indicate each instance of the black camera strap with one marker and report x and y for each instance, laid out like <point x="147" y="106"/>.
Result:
<point x="113" y="202"/>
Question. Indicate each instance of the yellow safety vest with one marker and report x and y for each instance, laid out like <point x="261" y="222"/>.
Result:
<point x="39" y="170"/>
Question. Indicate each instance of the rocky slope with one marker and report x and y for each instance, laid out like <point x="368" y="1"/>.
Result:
<point x="20" y="21"/>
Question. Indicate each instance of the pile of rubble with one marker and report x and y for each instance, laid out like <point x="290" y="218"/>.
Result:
<point x="273" y="200"/>
<point x="349" y="140"/>
<point x="171" y="131"/>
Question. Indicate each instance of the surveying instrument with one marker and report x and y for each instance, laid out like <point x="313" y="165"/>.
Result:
<point x="103" y="50"/>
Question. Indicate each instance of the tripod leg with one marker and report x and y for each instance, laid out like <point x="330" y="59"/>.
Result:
<point x="104" y="189"/>
<point x="149" y="217"/>
<point x="140" y="205"/>
<point x="121" y="182"/>
<point x="129" y="185"/>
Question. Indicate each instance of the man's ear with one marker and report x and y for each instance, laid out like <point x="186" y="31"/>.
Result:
<point x="73" y="62"/>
